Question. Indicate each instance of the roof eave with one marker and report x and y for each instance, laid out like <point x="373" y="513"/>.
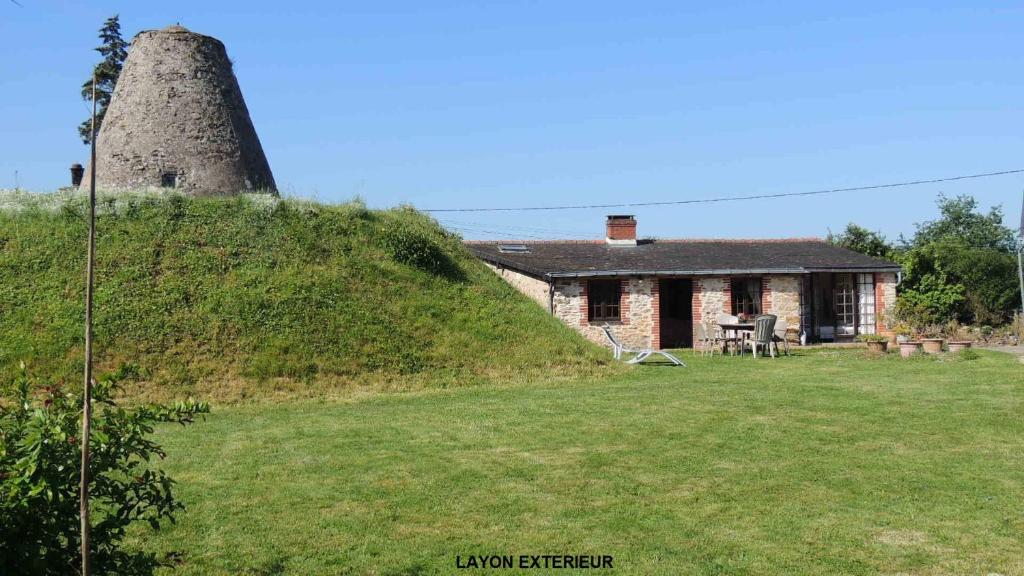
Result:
<point x="716" y="272"/>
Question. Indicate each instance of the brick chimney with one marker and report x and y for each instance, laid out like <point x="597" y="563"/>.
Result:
<point x="621" y="230"/>
<point x="76" y="175"/>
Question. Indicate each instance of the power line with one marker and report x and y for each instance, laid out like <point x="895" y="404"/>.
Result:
<point x="503" y="227"/>
<point x="496" y="233"/>
<point x="730" y="198"/>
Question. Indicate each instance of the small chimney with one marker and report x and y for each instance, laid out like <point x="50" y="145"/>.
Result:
<point x="76" y="175"/>
<point x="621" y="230"/>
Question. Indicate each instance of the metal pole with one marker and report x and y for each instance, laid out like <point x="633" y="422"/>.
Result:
<point x="87" y="392"/>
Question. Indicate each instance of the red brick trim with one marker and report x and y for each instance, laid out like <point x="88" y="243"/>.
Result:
<point x="766" y="295"/>
<point x="696" y="304"/>
<point x="584" y="305"/>
<point x="727" y="292"/>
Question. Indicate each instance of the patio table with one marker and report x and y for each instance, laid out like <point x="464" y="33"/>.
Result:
<point x="738" y="331"/>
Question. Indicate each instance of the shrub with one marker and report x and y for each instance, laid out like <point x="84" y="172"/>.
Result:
<point x="40" y="458"/>
<point x="418" y="247"/>
<point x="871" y="338"/>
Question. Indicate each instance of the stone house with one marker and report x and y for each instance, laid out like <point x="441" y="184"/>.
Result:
<point x="655" y="292"/>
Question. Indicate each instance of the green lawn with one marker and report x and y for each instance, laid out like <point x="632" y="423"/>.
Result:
<point x="823" y="463"/>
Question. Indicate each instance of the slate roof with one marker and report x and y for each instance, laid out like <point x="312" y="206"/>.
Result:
<point x="559" y="259"/>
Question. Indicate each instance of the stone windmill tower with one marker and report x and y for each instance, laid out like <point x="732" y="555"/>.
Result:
<point x="177" y="120"/>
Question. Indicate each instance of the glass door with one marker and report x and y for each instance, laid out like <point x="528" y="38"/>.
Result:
<point x="865" y="303"/>
<point x="844" y="299"/>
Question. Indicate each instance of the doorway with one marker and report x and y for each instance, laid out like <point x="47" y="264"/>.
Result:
<point x="676" y="312"/>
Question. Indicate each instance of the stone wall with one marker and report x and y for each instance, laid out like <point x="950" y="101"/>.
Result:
<point x="715" y="296"/>
<point x="637" y="308"/>
<point x="535" y="288"/>
<point x="785" y="299"/>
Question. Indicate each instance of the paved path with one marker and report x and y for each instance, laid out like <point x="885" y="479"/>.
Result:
<point x="1017" y="351"/>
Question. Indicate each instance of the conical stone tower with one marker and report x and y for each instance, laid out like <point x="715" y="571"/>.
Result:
<point x="177" y="120"/>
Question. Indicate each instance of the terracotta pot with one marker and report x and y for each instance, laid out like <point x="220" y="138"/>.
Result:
<point x="933" y="345"/>
<point x="878" y="347"/>
<point x="907" y="349"/>
<point x="959" y="346"/>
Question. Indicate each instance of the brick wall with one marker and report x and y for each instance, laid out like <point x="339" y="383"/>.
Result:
<point x="885" y="299"/>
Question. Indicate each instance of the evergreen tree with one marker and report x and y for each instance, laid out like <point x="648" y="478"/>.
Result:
<point x="114" y="51"/>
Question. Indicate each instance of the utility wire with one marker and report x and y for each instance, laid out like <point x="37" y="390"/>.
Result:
<point x="496" y="233"/>
<point x="730" y="198"/>
<point x="526" y="229"/>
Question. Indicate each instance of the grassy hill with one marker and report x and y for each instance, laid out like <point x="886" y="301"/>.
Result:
<point x="235" y="297"/>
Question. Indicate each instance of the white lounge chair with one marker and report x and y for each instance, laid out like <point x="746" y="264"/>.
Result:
<point x="641" y="354"/>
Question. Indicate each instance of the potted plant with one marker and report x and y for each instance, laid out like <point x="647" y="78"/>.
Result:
<point x="909" y="347"/>
<point x="932" y="341"/>
<point x="959" y="346"/>
<point x="876" y="343"/>
<point x="902" y="333"/>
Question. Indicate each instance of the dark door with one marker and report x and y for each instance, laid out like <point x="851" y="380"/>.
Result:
<point x="676" y="313"/>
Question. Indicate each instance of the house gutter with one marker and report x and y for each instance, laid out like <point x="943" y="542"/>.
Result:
<point x="721" y="272"/>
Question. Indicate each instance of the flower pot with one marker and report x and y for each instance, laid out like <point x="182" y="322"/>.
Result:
<point x="878" y="347"/>
<point x="907" y="349"/>
<point x="890" y="335"/>
<point x="959" y="346"/>
<point x="932" y="345"/>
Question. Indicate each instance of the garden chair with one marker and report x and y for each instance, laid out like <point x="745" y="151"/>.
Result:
<point x="710" y="337"/>
<point x="764" y="334"/>
<point x="641" y="354"/>
<point x="781" y="328"/>
<point x="736" y="339"/>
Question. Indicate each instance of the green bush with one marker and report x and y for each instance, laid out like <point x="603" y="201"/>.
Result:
<point x="411" y="243"/>
<point x="40" y="459"/>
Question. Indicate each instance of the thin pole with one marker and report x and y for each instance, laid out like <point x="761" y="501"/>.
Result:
<point x="87" y="392"/>
<point x="1020" y="274"/>
<point x="1020" y="255"/>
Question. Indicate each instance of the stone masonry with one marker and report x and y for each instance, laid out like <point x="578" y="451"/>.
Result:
<point x="639" y="306"/>
<point x="177" y="120"/>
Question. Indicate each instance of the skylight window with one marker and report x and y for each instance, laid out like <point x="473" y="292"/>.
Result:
<point x="513" y="248"/>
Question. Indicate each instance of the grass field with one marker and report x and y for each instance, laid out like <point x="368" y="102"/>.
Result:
<point x="827" y="462"/>
<point x="230" y="298"/>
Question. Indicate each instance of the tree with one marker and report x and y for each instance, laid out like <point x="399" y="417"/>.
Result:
<point x="960" y="266"/>
<point x="39" y="460"/>
<point x="960" y="221"/>
<point x="114" y="51"/>
<point x="861" y="240"/>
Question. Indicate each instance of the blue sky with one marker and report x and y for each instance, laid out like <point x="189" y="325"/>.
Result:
<point x="534" y="103"/>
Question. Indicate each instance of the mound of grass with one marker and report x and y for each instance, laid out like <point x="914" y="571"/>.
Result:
<point x="231" y="297"/>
